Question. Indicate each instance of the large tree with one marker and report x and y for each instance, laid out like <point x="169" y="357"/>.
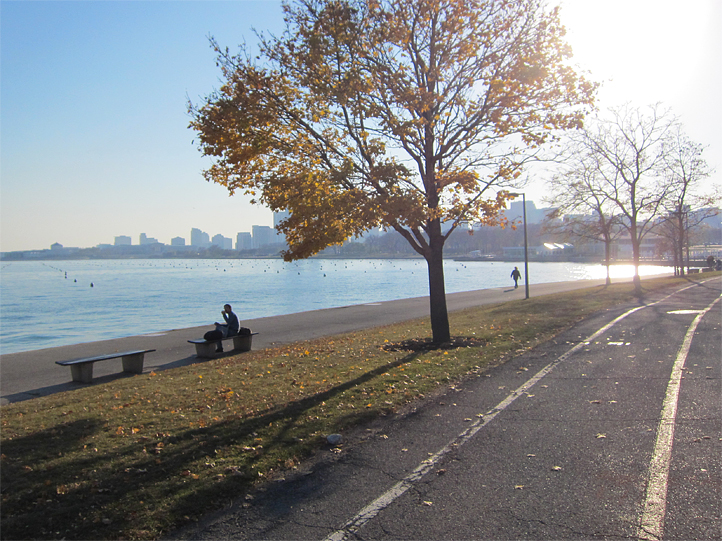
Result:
<point x="406" y="114"/>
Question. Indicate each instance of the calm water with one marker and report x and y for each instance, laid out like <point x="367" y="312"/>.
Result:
<point x="48" y="304"/>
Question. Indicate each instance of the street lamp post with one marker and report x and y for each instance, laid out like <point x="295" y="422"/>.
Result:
<point x="526" y="244"/>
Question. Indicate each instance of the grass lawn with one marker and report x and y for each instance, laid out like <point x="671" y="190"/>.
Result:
<point x="139" y="456"/>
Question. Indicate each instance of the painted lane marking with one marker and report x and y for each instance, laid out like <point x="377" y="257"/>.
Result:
<point x="396" y="491"/>
<point x="685" y="312"/>
<point x="651" y="526"/>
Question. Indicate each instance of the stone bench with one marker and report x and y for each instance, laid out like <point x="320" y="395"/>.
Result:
<point x="82" y="369"/>
<point x="207" y="349"/>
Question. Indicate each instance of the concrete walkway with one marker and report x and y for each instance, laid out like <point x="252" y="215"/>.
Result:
<point x="34" y="373"/>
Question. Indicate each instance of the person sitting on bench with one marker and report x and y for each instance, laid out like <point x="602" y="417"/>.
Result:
<point x="227" y="329"/>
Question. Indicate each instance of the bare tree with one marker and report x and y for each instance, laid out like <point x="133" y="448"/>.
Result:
<point x="582" y="208"/>
<point x="687" y="207"/>
<point x="626" y="150"/>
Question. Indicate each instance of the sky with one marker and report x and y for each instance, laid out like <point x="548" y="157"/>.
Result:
<point x="94" y="138"/>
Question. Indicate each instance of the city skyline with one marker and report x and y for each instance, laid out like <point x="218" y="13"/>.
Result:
<point x="514" y="212"/>
<point x="94" y="124"/>
<point x="207" y="239"/>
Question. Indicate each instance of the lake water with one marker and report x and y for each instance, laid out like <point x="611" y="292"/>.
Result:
<point x="51" y="303"/>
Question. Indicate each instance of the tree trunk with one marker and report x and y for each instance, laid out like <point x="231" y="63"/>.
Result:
<point x="681" y="243"/>
<point x="635" y="259"/>
<point x="437" y="290"/>
<point x="607" y="249"/>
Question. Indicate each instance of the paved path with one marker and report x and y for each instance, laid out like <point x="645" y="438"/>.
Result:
<point x="611" y="431"/>
<point x="34" y="373"/>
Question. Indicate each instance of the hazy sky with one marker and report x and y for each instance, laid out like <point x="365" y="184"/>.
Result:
<point x="93" y="123"/>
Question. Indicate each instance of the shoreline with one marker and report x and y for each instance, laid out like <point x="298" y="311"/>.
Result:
<point x="134" y="297"/>
<point x="34" y="373"/>
<point x="6" y="257"/>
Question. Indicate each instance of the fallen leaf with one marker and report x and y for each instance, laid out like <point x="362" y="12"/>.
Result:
<point x="600" y="436"/>
<point x="556" y="468"/>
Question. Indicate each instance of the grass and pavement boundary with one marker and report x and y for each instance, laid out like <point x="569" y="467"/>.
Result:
<point x="138" y="457"/>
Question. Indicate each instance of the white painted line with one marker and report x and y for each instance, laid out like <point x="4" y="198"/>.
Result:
<point x="651" y="526"/>
<point x="388" y="497"/>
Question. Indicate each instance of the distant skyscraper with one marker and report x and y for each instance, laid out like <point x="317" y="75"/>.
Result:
<point x="147" y="240"/>
<point x="222" y="242"/>
<point x="262" y="235"/>
<point x="123" y="240"/>
<point x="278" y="217"/>
<point x="199" y="238"/>
<point x="244" y="241"/>
<point x="178" y="241"/>
<point x="533" y="214"/>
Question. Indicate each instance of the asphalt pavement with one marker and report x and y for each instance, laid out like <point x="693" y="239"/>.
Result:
<point x="612" y="430"/>
<point x="31" y="374"/>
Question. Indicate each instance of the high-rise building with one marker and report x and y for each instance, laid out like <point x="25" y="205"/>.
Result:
<point x="533" y="214"/>
<point x="278" y="217"/>
<point x="123" y="240"/>
<point x="147" y="240"/>
<point x="200" y="238"/>
<point x="178" y="241"/>
<point x="263" y="235"/>
<point x="222" y="242"/>
<point x="244" y="241"/>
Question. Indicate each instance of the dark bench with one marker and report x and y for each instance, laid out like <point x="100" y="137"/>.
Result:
<point x="82" y="369"/>
<point x="241" y="342"/>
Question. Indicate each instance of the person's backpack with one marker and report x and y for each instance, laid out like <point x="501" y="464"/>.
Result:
<point x="211" y="336"/>
<point x="244" y="331"/>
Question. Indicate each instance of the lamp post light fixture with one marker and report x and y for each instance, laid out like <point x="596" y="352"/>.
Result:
<point x="526" y="245"/>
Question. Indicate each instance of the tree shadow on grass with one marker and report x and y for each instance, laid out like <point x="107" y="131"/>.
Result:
<point x="153" y="483"/>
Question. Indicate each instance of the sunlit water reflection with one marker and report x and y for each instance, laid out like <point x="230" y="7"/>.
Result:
<point x="52" y="303"/>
